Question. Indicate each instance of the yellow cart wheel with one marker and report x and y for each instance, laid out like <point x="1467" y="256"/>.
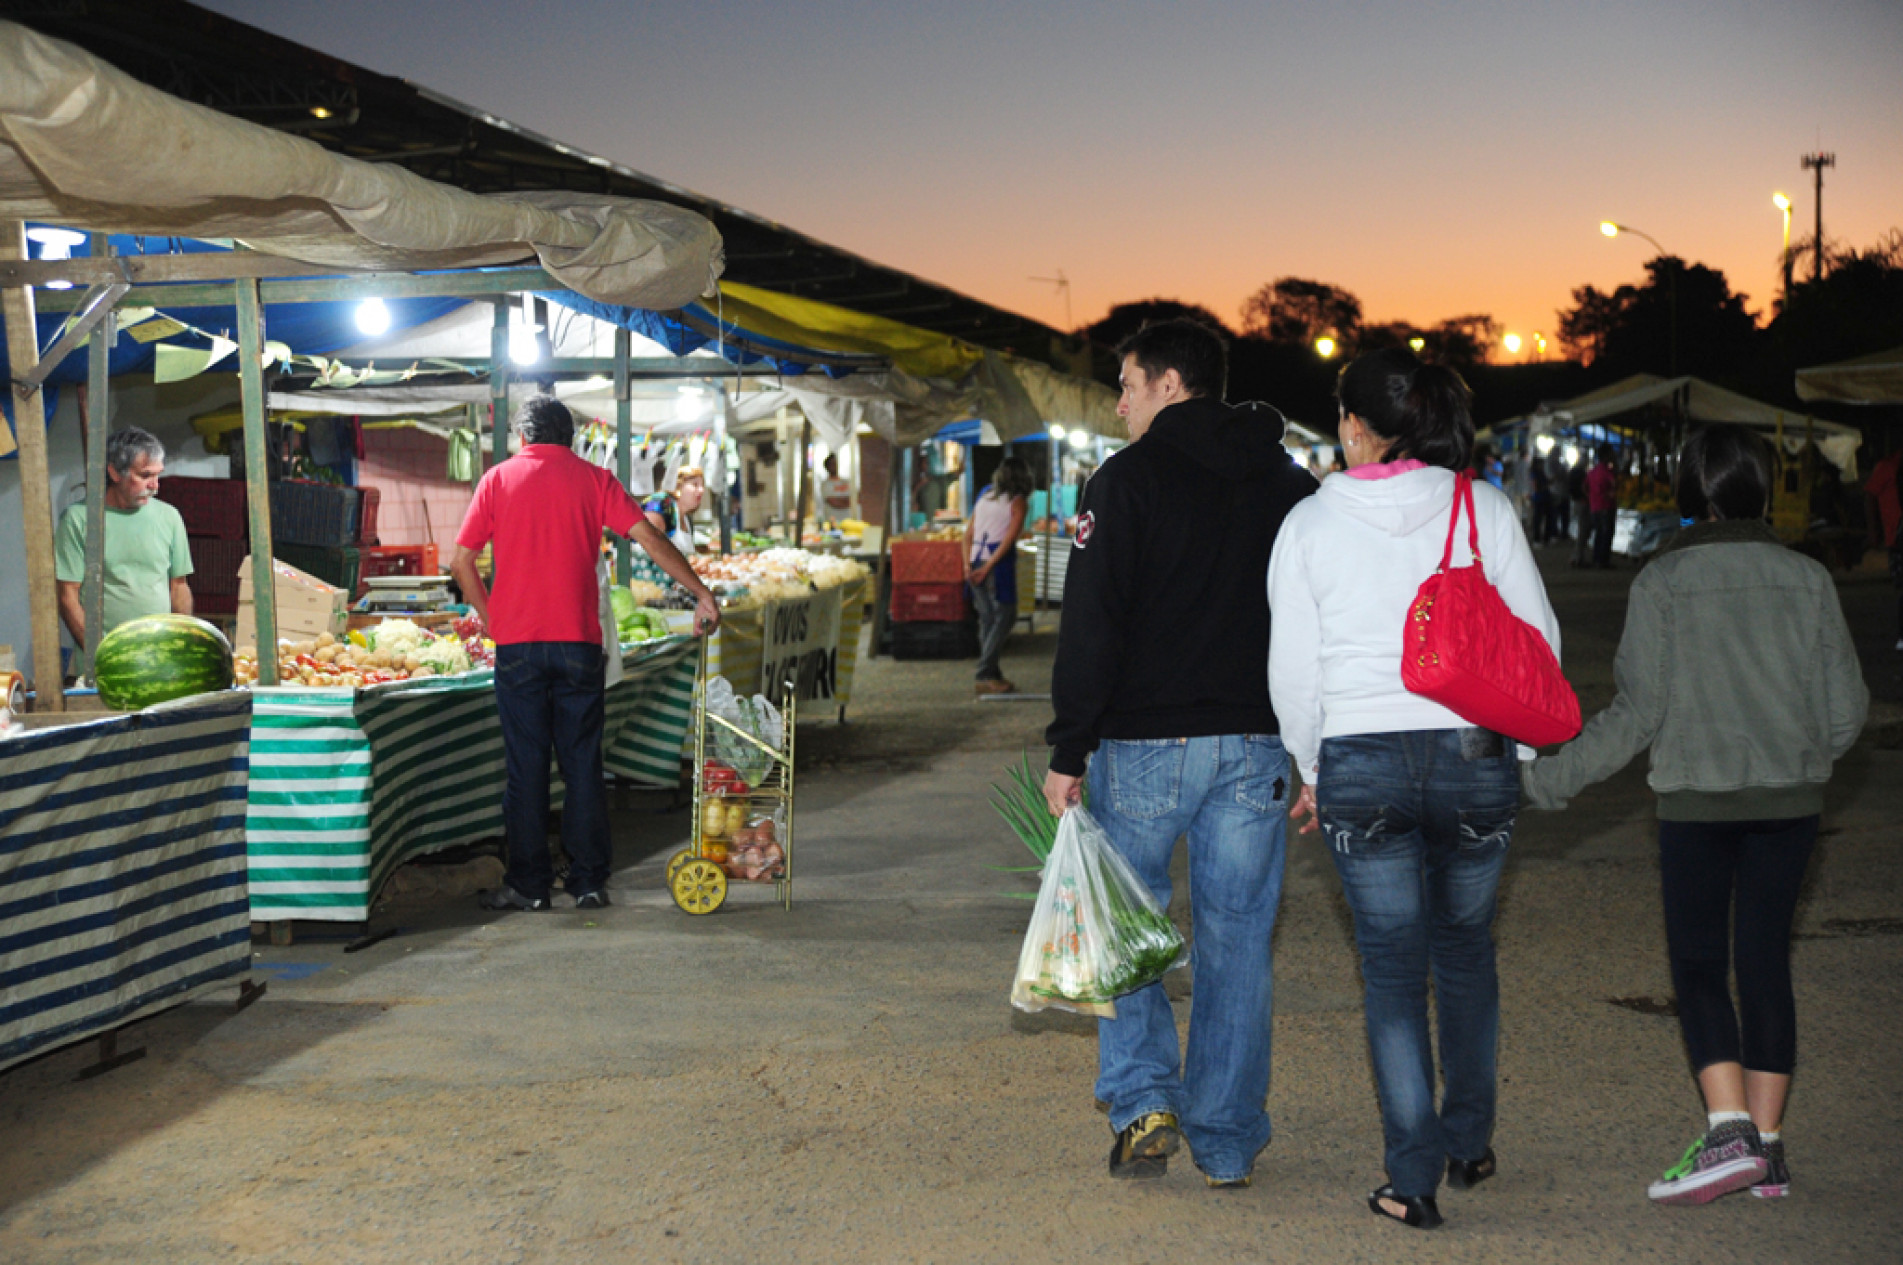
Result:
<point x="674" y="864"/>
<point x="699" y="886"/>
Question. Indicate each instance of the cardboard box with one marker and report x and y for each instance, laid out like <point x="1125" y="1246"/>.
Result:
<point x="306" y="606"/>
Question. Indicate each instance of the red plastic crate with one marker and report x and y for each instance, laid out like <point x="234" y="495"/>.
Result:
<point x="215" y="565"/>
<point x="210" y="507"/>
<point x="214" y="605"/>
<point x="367" y="515"/>
<point x="399" y="560"/>
<point x="928" y="603"/>
<point x="928" y="562"/>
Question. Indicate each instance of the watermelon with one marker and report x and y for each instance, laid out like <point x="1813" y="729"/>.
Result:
<point x="157" y="658"/>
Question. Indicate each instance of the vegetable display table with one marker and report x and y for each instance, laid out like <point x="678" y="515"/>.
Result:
<point x="122" y="868"/>
<point x="348" y="784"/>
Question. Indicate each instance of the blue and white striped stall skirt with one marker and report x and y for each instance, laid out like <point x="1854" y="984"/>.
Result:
<point x="122" y="868"/>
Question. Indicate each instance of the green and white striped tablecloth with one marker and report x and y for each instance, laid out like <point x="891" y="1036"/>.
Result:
<point x="348" y="784"/>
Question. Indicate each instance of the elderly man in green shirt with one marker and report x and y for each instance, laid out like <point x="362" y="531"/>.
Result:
<point x="147" y="556"/>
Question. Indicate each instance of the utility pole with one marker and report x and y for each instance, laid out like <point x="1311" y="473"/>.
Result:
<point x="1817" y="162"/>
<point x="1062" y="283"/>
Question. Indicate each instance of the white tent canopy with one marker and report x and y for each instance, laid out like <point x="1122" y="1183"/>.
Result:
<point x="1872" y="379"/>
<point x="85" y="145"/>
<point x="1700" y="401"/>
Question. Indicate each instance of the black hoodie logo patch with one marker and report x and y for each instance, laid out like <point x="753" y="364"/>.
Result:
<point x="1086" y="525"/>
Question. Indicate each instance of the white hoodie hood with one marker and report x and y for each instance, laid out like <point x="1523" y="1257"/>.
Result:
<point x="1346" y="567"/>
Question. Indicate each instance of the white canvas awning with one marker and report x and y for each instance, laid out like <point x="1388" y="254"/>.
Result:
<point x="85" y="145"/>
<point x="1701" y="402"/>
<point x="1872" y="379"/>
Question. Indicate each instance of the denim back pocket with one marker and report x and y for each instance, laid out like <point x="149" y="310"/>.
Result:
<point x="1146" y="775"/>
<point x="1264" y="783"/>
<point x="1487" y="826"/>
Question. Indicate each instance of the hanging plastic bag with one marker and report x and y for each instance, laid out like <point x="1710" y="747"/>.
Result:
<point x="1096" y="933"/>
<point x="754" y="715"/>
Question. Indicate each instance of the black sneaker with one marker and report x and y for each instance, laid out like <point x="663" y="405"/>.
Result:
<point x="506" y="897"/>
<point x="1728" y="1157"/>
<point x="1142" y="1151"/>
<point x="593" y="900"/>
<point x="1776" y="1182"/>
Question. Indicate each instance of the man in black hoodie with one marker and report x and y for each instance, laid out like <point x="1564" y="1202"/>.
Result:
<point x="1162" y="673"/>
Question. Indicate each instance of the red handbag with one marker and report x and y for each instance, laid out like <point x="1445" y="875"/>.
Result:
<point x="1464" y="649"/>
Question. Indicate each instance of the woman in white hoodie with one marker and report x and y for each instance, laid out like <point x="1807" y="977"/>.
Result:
<point x="1416" y="805"/>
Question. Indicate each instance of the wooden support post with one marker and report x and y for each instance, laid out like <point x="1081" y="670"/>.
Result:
<point x="110" y="1056"/>
<point x="98" y="414"/>
<point x="499" y="383"/>
<point x="624" y="440"/>
<point x="36" y="496"/>
<point x="257" y="473"/>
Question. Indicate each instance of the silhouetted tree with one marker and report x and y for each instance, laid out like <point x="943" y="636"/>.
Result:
<point x="1856" y="308"/>
<point x="1294" y="310"/>
<point x="1632" y="330"/>
<point x="1126" y="319"/>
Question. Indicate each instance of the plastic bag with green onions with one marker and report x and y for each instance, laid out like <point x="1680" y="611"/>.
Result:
<point x="1096" y="932"/>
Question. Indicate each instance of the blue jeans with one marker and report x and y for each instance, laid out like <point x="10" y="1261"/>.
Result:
<point x="1418" y="824"/>
<point x="550" y="696"/>
<point x="1228" y="793"/>
<point x="994" y="626"/>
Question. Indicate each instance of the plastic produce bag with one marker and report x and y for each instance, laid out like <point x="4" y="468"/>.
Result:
<point x="1096" y="933"/>
<point x="754" y="715"/>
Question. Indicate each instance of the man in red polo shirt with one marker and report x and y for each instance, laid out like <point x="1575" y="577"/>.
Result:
<point x="544" y="509"/>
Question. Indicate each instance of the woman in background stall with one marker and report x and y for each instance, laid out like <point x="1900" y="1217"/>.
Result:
<point x="991" y="554"/>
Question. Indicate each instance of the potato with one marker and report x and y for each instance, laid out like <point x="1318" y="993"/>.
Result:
<point x="247" y="652"/>
<point x="325" y="639"/>
<point x="411" y="662"/>
<point x="327" y="654"/>
<point x="304" y="647"/>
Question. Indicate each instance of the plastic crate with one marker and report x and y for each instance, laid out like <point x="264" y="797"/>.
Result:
<point x="337" y="565"/>
<point x="928" y="561"/>
<point x="935" y="641"/>
<point x="369" y="499"/>
<point x="214" y="606"/>
<point x="210" y="507"/>
<point x="313" y="514"/>
<point x="398" y="560"/>
<point x="927" y="603"/>
<point x="215" y="565"/>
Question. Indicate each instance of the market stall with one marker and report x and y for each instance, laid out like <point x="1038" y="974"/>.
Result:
<point x="122" y="867"/>
<point x="347" y="784"/>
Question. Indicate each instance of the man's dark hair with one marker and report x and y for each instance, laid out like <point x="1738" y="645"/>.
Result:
<point x="1424" y="411"/>
<point x="1191" y="348"/>
<point x="123" y="447"/>
<point x="1724" y="471"/>
<point x="543" y="419"/>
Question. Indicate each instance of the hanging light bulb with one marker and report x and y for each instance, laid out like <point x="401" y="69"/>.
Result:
<point x="373" y="318"/>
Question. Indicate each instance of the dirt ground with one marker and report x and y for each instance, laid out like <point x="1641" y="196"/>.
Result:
<point x="846" y="1081"/>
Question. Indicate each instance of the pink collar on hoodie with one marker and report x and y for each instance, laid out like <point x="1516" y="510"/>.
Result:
<point x="1386" y="470"/>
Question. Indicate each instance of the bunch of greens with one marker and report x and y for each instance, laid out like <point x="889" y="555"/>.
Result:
<point x="1023" y="809"/>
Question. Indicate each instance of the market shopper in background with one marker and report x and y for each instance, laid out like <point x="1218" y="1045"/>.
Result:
<point x="1885" y="515"/>
<point x="1737" y="669"/>
<point x="671" y="513"/>
<point x="1582" y="510"/>
<point x="991" y="556"/>
<point x="1416" y="805"/>
<point x="147" y="556"/>
<point x="544" y="510"/>
<point x="1602" y="502"/>
<point x="1161" y="703"/>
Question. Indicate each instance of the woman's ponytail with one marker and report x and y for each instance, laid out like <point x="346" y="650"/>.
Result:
<point x="1423" y="410"/>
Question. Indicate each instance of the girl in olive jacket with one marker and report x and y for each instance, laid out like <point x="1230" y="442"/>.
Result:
<point x="1737" y="670"/>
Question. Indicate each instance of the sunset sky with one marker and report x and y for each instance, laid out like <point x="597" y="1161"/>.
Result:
<point x="1435" y="159"/>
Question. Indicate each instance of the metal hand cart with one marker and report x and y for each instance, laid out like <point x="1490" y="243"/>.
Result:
<point x="698" y="875"/>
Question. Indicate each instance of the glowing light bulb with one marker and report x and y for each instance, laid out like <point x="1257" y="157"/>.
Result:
<point x="1608" y="228"/>
<point x="1325" y="347"/>
<point x="373" y="318"/>
<point x="1512" y="342"/>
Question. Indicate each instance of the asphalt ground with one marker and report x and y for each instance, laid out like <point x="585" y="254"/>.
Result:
<point x="846" y="1081"/>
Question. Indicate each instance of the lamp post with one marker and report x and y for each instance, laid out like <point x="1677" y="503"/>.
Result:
<point x="1612" y="229"/>
<point x="1783" y="204"/>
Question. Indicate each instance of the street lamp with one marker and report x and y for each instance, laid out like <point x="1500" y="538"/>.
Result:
<point x="1512" y="342"/>
<point x="1325" y="347"/>
<point x="1783" y="204"/>
<point x="1612" y="228"/>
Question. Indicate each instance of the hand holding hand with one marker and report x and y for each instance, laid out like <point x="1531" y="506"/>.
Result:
<point x="1304" y="807"/>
